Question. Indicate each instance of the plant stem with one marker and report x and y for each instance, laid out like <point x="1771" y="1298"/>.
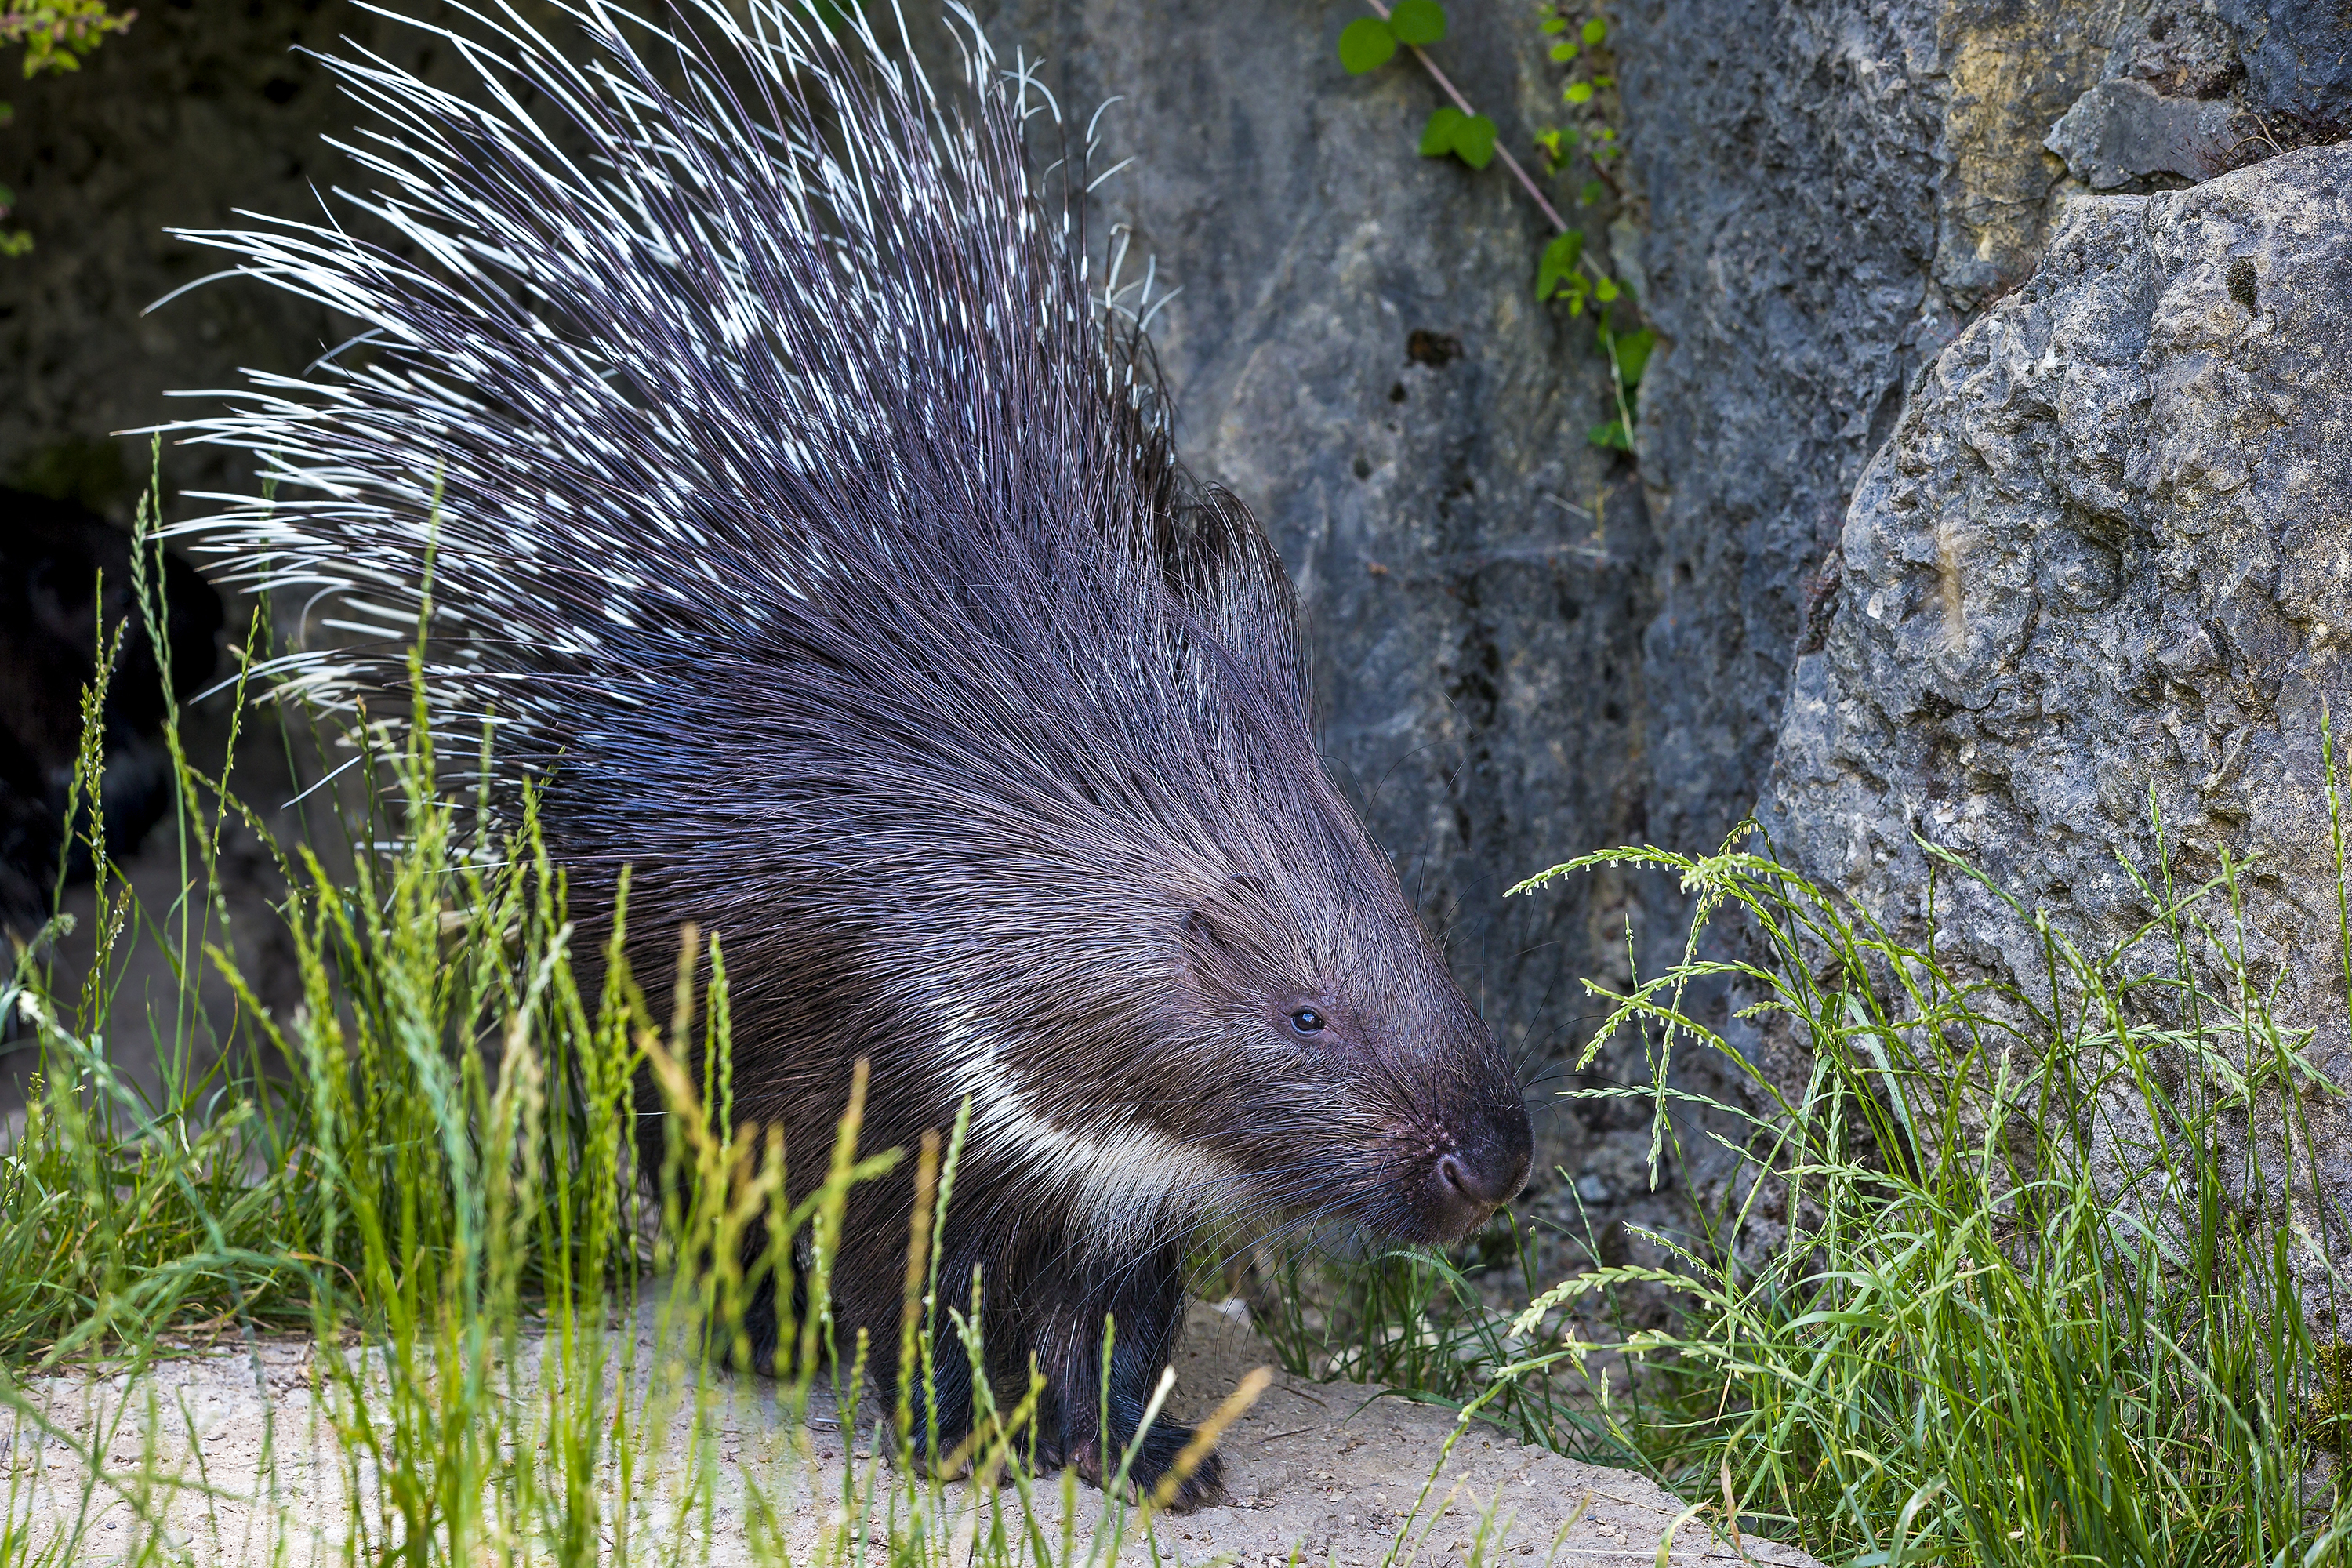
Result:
<point x="1616" y="375"/>
<point x="1558" y="224"/>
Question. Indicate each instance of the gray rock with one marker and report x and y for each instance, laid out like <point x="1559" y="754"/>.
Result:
<point x="2104" y="564"/>
<point x="1830" y="189"/>
<point x="2121" y="130"/>
<point x="1785" y="250"/>
<point x="2298" y="57"/>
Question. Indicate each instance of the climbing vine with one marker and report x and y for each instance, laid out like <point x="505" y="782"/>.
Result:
<point x="1589" y="143"/>
<point x="1589" y="97"/>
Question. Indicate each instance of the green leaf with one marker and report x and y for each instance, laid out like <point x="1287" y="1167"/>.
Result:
<point x="1418" y="21"/>
<point x="1610" y="436"/>
<point x="1634" y="356"/>
<point x="1604" y="288"/>
<point x="1578" y="92"/>
<point x="1365" y="45"/>
<point x="1558" y="263"/>
<point x="1437" y="136"/>
<point x="1564" y="53"/>
<point x="1595" y="30"/>
<point x="1557" y="25"/>
<point x="1590" y="194"/>
<point x="1474" y="141"/>
<point x="1469" y="137"/>
<point x="17" y="244"/>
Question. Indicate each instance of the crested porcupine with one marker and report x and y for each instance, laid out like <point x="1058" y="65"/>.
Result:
<point x="812" y="525"/>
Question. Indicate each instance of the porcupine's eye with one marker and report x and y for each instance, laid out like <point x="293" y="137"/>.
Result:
<point x="1307" y="1021"/>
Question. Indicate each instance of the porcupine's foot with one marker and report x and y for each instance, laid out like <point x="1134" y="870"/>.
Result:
<point x="1204" y="1488"/>
<point x="1144" y="1299"/>
<point x="941" y="1408"/>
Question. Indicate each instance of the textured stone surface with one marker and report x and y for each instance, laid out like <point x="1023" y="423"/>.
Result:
<point x="2105" y="555"/>
<point x="2124" y="130"/>
<point x="1786" y="243"/>
<point x="192" y="113"/>
<point x="1831" y="191"/>
<point x="2297" y="57"/>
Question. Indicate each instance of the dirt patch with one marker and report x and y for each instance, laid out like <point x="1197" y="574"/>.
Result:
<point x="234" y="1457"/>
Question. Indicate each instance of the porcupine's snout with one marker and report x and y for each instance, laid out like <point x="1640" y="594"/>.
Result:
<point x="1475" y="1144"/>
<point x="1484" y="1169"/>
<point x="1341" y="1033"/>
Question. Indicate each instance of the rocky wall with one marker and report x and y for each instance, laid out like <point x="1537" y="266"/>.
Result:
<point x="1835" y="193"/>
<point x="1832" y="191"/>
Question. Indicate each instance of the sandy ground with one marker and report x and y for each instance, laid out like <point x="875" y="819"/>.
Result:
<point x="1320" y="1469"/>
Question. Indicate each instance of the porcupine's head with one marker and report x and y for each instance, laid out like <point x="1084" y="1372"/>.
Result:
<point x="1214" y="1002"/>
<point x="814" y="536"/>
<point x="1331" y="1056"/>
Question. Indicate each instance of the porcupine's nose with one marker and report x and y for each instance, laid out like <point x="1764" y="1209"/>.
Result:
<point x="1485" y="1171"/>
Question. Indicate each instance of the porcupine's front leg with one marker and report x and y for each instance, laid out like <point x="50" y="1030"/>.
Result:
<point x="1144" y="1298"/>
<point x="868" y="1286"/>
<point x="940" y="1403"/>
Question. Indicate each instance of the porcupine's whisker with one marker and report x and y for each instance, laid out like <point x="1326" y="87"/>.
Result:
<point x="1312" y="1223"/>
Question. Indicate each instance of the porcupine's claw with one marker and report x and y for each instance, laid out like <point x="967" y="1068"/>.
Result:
<point x="1204" y="1488"/>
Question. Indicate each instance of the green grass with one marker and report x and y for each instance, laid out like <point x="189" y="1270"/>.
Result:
<point x="1987" y="1292"/>
<point x="1942" y="1317"/>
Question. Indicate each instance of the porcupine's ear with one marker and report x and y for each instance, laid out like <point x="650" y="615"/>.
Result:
<point x="1216" y="944"/>
<point x="1202" y="939"/>
<point x="1219" y="970"/>
<point x="1218" y="564"/>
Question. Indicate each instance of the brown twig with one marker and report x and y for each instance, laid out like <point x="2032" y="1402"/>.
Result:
<point x="1558" y="224"/>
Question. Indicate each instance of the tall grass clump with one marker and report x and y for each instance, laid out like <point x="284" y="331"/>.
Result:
<point x="1989" y="1289"/>
<point x="1423" y="1323"/>
<point x="136" y="1202"/>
